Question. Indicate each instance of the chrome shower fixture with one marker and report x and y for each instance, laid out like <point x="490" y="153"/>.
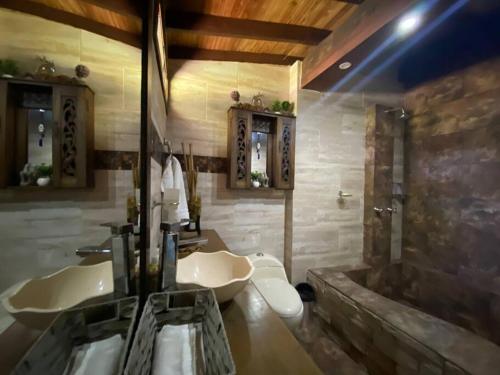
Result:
<point x="404" y="115"/>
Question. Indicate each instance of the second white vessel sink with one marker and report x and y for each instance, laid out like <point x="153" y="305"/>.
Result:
<point x="36" y="302"/>
<point x="225" y="273"/>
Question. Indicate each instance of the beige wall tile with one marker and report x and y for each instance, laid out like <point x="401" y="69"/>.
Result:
<point x="40" y="234"/>
<point x="330" y="157"/>
<point x="200" y="98"/>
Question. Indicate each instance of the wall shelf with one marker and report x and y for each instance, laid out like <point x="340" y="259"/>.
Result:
<point x="263" y="142"/>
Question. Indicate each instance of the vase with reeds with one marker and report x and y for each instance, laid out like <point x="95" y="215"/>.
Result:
<point x="194" y="199"/>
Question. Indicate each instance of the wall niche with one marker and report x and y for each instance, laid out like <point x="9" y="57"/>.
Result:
<point x="261" y="147"/>
<point x="46" y="129"/>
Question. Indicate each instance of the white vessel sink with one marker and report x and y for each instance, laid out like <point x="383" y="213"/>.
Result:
<point x="225" y="273"/>
<point x="36" y="302"/>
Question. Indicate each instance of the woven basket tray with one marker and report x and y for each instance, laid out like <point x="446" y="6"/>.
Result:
<point x="182" y="307"/>
<point x="53" y="350"/>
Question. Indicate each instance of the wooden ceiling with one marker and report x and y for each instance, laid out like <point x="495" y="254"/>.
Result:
<point x="284" y="29"/>
<point x="320" y="32"/>
<point x="115" y="19"/>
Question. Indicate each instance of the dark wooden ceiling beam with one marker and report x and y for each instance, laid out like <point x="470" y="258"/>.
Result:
<point x="369" y="17"/>
<point x="244" y="28"/>
<point x="187" y="53"/>
<point x="71" y="19"/>
<point x="351" y="1"/>
<point x="123" y="7"/>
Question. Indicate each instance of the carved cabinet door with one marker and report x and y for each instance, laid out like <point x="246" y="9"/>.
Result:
<point x="73" y="137"/>
<point x="239" y="147"/>
<point x="284" y="160"/>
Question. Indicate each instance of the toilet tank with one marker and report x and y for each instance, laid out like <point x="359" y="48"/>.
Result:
<point x="267" y="267"/>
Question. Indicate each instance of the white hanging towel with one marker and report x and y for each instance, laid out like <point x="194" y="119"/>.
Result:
<point x="173" y="179"/>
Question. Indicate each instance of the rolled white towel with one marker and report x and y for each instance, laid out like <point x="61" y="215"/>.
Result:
<point x="175" y="350"/>
<point x="99" y="357"/>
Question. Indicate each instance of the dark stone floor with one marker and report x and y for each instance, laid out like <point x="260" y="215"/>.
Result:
<point x="321" y="345"/>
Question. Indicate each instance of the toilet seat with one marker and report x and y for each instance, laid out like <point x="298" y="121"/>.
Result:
<point x="281" y="296"/>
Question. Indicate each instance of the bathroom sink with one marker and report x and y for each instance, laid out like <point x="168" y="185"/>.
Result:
<point x="226" y="273"/>
<point x="36" y="302"/>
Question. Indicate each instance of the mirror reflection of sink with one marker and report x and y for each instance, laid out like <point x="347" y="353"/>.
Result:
<point x="226" y="273"/>
<point x="36" y="302"/>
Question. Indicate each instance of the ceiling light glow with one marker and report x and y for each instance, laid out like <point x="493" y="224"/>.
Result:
<point x="408" y="24"/>
<point x="345" y="65"/>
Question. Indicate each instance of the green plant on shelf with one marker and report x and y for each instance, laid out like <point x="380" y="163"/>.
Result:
<point x="8" y="67"/>
<point x="256" y="176"/>
<point x="276" y="106"/>
<point x="43" y="170"/>
<point x="284" y="106"/>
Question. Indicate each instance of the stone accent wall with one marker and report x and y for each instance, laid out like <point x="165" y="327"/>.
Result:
<point x="378" y="186"/>
<point x="451" y="257"/>
<point x="391" y="338"/>
<point x="41" y="229"/>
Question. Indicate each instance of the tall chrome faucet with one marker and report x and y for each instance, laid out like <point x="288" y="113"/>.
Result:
<point x="168" y="256"/>
<point x="121" y="247"/>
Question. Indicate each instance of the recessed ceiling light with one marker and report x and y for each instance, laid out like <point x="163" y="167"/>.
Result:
<point x="408" y="24"/>
<point x="345" y="65"/>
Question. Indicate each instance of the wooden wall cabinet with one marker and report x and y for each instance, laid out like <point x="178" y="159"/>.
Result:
<point x="278" y="146"/>
<point x="71" y="130"/>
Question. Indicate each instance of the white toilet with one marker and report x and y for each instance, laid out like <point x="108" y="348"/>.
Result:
<point x="270" y="279"/>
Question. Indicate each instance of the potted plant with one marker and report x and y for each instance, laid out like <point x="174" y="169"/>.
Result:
<point x="276" y="106"/>
<point x="256" y="178"/>
<point x="8" y="68"/>
<point x="43" y="173"/>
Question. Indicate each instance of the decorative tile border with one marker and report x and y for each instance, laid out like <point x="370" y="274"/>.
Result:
<point x="125" y="160"/>
<point x="206" y="164"/>
<point x="115" y="160"/>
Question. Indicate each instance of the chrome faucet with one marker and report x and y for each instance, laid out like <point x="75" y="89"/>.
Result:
<point x="122" y="255"/>
<point x="168" y="256"/>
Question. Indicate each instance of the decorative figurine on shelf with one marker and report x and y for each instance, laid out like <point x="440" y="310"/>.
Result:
<point x="257" y="101"/>
<point x="41" y="133"/>
<point x="27" y="175"/>
<point x="46" y="68"/>
<point x="235" y="95"/>
<point x="258" y="146"/>
<point x="265" y="180"/>
<point x="82" y="71"/>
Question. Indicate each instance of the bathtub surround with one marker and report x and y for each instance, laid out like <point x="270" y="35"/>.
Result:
<point x="452" y="217"/>
<point x="41" y="230"/>
<point x="391" y="338"/>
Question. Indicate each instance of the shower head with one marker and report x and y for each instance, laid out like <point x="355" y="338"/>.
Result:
<point x="403" y="113"/>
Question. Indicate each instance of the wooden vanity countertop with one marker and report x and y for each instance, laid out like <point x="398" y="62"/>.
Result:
<point x="260" y="342"/>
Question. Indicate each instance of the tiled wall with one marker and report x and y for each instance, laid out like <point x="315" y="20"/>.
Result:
<point x="451" y="226"/>
<point x="199" y="99"/>
<point x="329" y="157"/>
<point x="40" y="232"/>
